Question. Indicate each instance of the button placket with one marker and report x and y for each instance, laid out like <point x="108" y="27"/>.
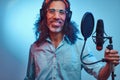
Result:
<point x="54" y="72"/>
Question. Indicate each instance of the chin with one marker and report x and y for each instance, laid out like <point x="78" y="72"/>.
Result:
<point x="55" y="30"/>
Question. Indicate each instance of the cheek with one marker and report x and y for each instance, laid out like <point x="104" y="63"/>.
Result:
<point x="48" y="17"/>
<point x="63" y="18"/>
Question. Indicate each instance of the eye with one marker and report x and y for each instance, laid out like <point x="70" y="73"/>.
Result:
<point x="51" y="11"/>
<point x="62" y="11"/>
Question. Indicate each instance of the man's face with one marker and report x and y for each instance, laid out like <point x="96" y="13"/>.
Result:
<point x="56" y="15"/>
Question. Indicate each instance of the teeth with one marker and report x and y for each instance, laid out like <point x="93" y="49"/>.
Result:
<point x="58" y="21"/>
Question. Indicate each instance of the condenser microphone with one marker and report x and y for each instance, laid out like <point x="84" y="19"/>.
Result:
<point x="99" y="34"/>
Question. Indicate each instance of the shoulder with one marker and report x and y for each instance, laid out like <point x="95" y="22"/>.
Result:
<point x="79" y="41"/>
<point x="33" y="47"/>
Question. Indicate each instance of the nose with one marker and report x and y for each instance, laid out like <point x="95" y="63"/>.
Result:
<point x="56" y="15"/>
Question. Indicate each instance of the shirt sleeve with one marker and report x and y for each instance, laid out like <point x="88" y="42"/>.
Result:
<point x="30" y="74"/>
<point x="88" y="57"/>
<point x="94" y="68"/>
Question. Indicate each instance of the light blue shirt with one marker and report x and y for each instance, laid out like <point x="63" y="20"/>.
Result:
<point x="61" y="63"/>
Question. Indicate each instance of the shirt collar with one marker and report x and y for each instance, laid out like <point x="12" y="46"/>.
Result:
<point x="65" y="39"/>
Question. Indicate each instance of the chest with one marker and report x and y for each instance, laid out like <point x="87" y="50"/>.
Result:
<point x="66" y="56"/>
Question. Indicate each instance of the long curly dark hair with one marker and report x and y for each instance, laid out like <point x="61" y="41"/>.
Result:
<point x="41" y="29"/>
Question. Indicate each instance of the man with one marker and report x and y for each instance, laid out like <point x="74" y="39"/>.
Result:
<point x="55" y="55"/>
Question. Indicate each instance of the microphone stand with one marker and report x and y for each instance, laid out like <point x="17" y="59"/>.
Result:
<point x="110" y="47"/>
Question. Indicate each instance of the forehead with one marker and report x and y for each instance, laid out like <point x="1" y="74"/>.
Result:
<point x="57" y="5"/>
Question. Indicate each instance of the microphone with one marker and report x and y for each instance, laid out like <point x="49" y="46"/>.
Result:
<point x="99" y="35"/>
<point x="100" y="41"/>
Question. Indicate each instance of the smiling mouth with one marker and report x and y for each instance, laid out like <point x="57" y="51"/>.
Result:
<point x="56" y="23"/>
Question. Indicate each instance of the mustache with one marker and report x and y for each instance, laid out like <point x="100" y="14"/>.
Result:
<point x="57" y="20"/>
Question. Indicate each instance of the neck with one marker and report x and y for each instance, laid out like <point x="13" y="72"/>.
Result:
<point x="56" y="38"/>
